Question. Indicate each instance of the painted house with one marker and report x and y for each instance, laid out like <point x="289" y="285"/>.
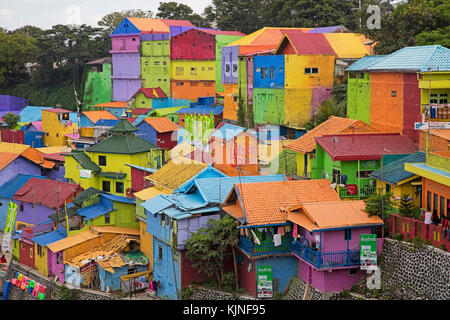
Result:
<point x="305" y="146"/>
<point x="33" y="134"/>
<point x="143" y="98"/>
<point x="117" y="108"/>
<point x="159" y="131"/>
<point x="434" y="140"/>
<point x="216" y="111"/>
<point x="399" y="89"/>
<point x="38" y="198"/>
<point x="31" y="113"/>
<point x="98" y="87"/>
<point x="348" y="159"/>
<point x="393" y="177"/>
<point x="265" y="232"/>
<point x="103" y="165"/>
<point x="327" y="246"/>
<point x="57" y="123"/>
<point x="138" y="174"/>
<point x="91" y="118"/>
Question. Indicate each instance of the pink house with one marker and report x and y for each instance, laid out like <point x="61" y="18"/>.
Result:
<point x="327" y="242"/>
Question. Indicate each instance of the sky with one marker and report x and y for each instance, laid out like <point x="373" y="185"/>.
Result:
<point x="46" y="13"/>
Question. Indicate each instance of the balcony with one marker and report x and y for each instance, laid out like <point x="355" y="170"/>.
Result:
<point x="436" y="112"/>
<point x="266" y="247"/>
<point x="324" y="260"/>
<point x="364" y="192"/>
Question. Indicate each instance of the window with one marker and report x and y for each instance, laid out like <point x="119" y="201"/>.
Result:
<point x="363" y="174"/>
<point x="207" y="84"/>
<point x="39" y="250"/>
<point x="393" y="93"/>
<point x="263" y="73"/>
<point x="348" y="234"/>
<point x="133" y="39"/>
<point x="106" y="186"/>
<point x="21" y="207"/>
<point x="435" y="202"/>
<point x="156" y="63"/>
<point x="336" y="176"/>
<point x="235" y="67"/>
<point x="1" y="204"/>
<point x="227" y="68"/>
<point x="352" y="75"/>
<point x="441" y="207"/>
<point x="160" y="253"/>
<point x="59" y="259"/>
<point x="194" y="71"/>
<point x="119" y="187"/>
<point x="132" y="270"/>
<point x="107" y="218"/>
<point x="272" y="73"/>
<point x="428" y="201"/>
<point x="102" y="160"/>
<point x="311" y="70"/>
<point x="210" y="68"/>
<point x="443" y="98"/>
<point x="179" y="84"/>
<point x="23" y="245"/>
<point x="179" y="71"/>
<point x="65" y="116"/>
<point x="194" y="84"/>
<point x="57" y="135"/>
<point x="388" y="187"/>
<point x="31" y="252"/>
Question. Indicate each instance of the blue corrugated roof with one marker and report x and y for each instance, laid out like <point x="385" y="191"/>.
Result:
<point x="9" y="188"/>
<point x="31" y="113"/>
<point x="208" y="172"/>
<point x="50" y="237"/>
<point x="364" y="63"/>
<point x="431" y="169"/>
<point x="395" y="171"/>
<point x="156" y="204"/>
<point x="420" y="58"/>
<point x="95" y="211"/>
<point x="151" y="170"/>
<point x="215" y="190"/>
<point x="187" y="201"/>
<point x="117" y="198"/>
<point x="202" y="110"/>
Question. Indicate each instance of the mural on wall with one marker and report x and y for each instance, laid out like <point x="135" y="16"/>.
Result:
<point x="31" y="286"/>
<point x="198" y="129"/>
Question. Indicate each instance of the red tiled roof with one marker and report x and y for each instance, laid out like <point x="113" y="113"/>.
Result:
<point x="261" y="209"/>
<point x="308" y="43"/>
<point x="54" y="156"/>
<point x="348" y="147"/>
<point x="140" y="111"/>
<point x="152" y="92"/>
<point x="161" y="124"/>
<point x="132" y="119"/>
<point x="44" y="192"/>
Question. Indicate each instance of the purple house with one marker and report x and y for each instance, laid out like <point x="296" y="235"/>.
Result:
<point x="37" y="199"/>
<point x="11" y="103"/>
<point x="230" y="71"/>
<point x="12" y="164"/>
<point x="327" y="242"/>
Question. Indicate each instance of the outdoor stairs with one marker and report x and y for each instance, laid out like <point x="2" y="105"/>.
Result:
<point x="307" y="294"/>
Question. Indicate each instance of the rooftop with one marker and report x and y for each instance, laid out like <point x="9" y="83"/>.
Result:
<point x="113" y="104"/>
<point x="395" y="172"/>
<point x="307" y="43"/>
<point x="94" y="116"/>
<point x="151" y="93"/>
<point x="9" y="188"/>
<point x="161" y="124"/>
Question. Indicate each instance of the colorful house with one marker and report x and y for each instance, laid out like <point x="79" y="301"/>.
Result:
<point x="31" y="113"/>
<point x="326" y="242"/>
<point x="57" y="123"/>
<point x="91" y="118"/>
<point x="143" y="98"/>
<point x="434" y="140"/>
<point x="159" y="131"/>
<point x="117" y="108"/>
<point x="33" y="134"/>
<point x="265" y="232"/>
<point x="305" y="146"/>
<point x="103" y="166"/>
<point x="216" y="111"/>
<point x="398" y="88"/>
<point x="97" y="88"/>
<point x="348" y="159"/>
<point x="393" y="177"/>
<point x="41" y="241"/>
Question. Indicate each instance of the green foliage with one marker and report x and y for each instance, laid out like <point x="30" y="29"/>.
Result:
<point x="179" y="11"/>
<point x="11" y="120"/>
<point x="438" y="36"/>
<point x="68" y="294"/>
<point x="406" y="206"/>
<point x="187" y="292"/>
<point x="379" y="204"/>
<point x="112" y="20"/>
<point x="398" y="237"/>
<point x="346" y="295"/>
<point x="443" y="247"/>
<point x="242" y="113"/>
<point x="208" y="247"/>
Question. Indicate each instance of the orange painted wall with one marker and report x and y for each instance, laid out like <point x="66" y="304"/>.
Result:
<point x="386" y="112"/>
<point x="436" y="143"/>
<point x="230" y="108"/>
<point x="185" y="89"/>
<point x="435" y="188"/>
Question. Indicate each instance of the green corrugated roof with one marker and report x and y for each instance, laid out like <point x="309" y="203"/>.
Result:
<point x="127" y="144"/>
<point x="395" y="171"/>
<point x="84" y="160"/>
<point x="112" y="175"/>
<point x="124" y="126"/>
<point x="86" y="194"/>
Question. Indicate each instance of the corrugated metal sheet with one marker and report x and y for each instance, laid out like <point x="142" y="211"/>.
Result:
<point x="347" y="45"/>
<point x="9" y="188"/>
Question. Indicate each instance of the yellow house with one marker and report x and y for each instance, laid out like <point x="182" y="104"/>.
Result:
<point x="305" y="146"/>
<point x="103" y="166"/>
<point x="57" y="123"/>
<point x="435" y="90"/>
<point x="193" y="70"/>
<point x="392" y="177"/>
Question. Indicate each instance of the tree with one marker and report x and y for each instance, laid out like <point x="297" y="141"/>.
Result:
<point x="380" y="205"/>
<point x="112" y="20"/>
<point x="11" y="120"/>
<point x="406" y="206"/>
<point x="209" y="247"/>
<point x="438" y="36"/>
<point x="178" y="11"/>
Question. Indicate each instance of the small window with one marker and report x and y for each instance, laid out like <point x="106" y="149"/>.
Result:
<point x="31" y="252"/>
<point x="263" y="73"/>
<point x="316" y="70"/>
<point x="102" y="161"/>
<point x="156" y="63"/>
<point x="59" y="259"/>
<point x="193" y="71"/>
<point x="361" y="75"/>
<point x="57" y="135"/>
<point x="39" y="250"/>
<point x="363" y="174"/>
<point x="179" y="71"/>
<point x="307" y="70"/>
<point x="119" y="187"/>
<point x="207" y="84"/>
<point x="106" y="186"/>
<point x="393" y="93"/>
<point x="235" y="67"/>
<point x="164" y="63"/>
<point x="227" y="68"/>
<point x="1" y="204"/>
<point x="352" y="75"/>
<point x="348" y="234"/>
<point x="428" y="201"/>
<point x="23" y="245"/>
<point x="65" y="116"/>
<point x="133" y="39"/>
<point x="160" y="253"/>
<point x="194" y="84"/>
<point x="210" y="68"/>
<point x="272" y="73"/>
<point x="21" y="207"/>
<point x="107" y="218"/>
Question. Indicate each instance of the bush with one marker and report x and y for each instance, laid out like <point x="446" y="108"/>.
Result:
<point x="398" y="237"/>
<point x="443" y="247"/>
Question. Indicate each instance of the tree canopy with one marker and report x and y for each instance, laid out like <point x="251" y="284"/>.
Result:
<point x="112" y="20"/>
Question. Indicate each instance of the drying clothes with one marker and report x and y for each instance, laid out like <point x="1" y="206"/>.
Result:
<point x="242" y="232"/>
<point x="255" y="238"/>
<point x="427" y="218"/>
<point x="294" y="233"/>
<point x="277" y="239"/>
<point x="344" y="179"/>
<point x="263" y="235"/>
<point x="287" y="228"/>
<point x="281" y="231"/>
<point x="246" y="233"/>
<point x="444" y="223"/>
<point x="261" y="229"/>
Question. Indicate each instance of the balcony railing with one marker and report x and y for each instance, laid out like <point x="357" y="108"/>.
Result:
<point x="266" y="246"/>
<point x="332" y="259"/>
<point x="364" y="192"/>
<point x="436" y="112"/>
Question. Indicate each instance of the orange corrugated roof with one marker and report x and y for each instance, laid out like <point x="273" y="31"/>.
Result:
<point x="113" y="104"/>
<point x="332" y="215"/>
<point x="234" y="210"/>
<point x="146" y="25"/>
<point x="94" y="116"/>
<point x="161" y="124"/>
<point x="71" y="241"/>
<point x="38" y="158"/>
<point x="6" y="158"/>
<point x="149" y="193"/>
<point x="334" y="125"/>
<point x="265" y="36"/>
<point x="261" y="209"/>
<point x="347" y="45"/>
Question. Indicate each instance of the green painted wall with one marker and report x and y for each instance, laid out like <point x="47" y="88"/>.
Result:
<point x="141" y="101"/>
<point x="268" y="105"/>
<point x="124" y="217"/>
<point x="97" y="88"/>
<point x="155" y="72"/>
<point x="358" y="96"/>
<point x="221" y="40"/>
<point x="157" y="48"/>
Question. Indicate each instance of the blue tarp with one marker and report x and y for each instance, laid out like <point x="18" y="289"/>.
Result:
<point x="94" y="211"/>
<point x="50" y="237"/>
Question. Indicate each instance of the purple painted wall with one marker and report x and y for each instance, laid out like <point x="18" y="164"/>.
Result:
<point x="319" y="95"/>
<point x="230" y="57"/>
<point x="57" y="174"/>
<point x="19" y="165"/>
<point x="123" y="89"/>
<point x="249" y="65"/>
<point x="55" y="269"/>
<point x="12" y="103"/>
<point x="125" y="44"/>
<point x="126" y="65"/>
<point x="155" y="36"/>
<point x="31" y="215"/>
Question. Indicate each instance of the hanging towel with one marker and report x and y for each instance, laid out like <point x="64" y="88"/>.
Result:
<point x="281" y="231"/>
<point x="427" y="218"/>
<point x="277" y="239"/>
<point x="263" y="235"/>
<point x="246" y="233"/>
<point x="294" y="233"/>
<point x="287" y="228"/>
<point x="255" y="237"/>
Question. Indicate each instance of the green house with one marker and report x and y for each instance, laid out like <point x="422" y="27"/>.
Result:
<point x="347" y="160"/>
<point x="97" y="88"/>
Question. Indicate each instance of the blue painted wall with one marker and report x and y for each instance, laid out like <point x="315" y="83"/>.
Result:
<point x="147" y="132"/>
<point x="166" y="270"/>
<point x="112" y="280"/>
<point x="277" y="63"/>
<point x="170" y="102"/>
<point x="34" y="138"/>
<point x="85" y="121"/>
<point x="283" y="268"/>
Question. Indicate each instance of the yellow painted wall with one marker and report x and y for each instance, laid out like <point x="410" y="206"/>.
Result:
<point x="146" y="243"/>
<point x="73" y="172"/>
<point x="398" y="190"/>
<point x="141" y="101"/>
<point x="297" y="106"/>
<point x="295" y="76"/>
<point x="41" y="262"/>
<point x="54" y="129"/>
<point x="203" y="70"/>
<point x="434" y="80"/>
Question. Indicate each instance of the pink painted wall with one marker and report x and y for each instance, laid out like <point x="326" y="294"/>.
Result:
<point x="250" y="81"/>
<point x="125" y="44"/>
<point x="319" y="95"/>
<point x="334" y="240"/>
<point x="55" y="269"/>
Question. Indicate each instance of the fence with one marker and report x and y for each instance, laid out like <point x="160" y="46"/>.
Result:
<point x="364" y="192"/>
<point x="266" y="247"/>
<point x="411" y="228"/>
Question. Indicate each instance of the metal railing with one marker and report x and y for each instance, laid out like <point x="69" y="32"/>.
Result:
<point x="266" y="246"/>
<point x="364" y="192"/>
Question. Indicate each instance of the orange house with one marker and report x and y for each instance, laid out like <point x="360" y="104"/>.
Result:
<point x="190" y="89"/>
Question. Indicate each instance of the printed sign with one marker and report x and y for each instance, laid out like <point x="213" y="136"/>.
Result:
<point x="431" y="125"/>
<point x="85" y="173"/>
<point x="9" y="226"/>
<point x="368" y="251"/>
<point x="264" y="281"/>
<point x="87" y="271"/>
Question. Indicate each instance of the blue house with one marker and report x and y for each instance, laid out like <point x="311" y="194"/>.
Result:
<point x="33" y="134"/>
<point x="31" y="113"/>
<point x="268" y="71"/>
<point x="7" y="191"/>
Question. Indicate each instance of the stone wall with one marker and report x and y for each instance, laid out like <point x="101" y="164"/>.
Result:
<point x="53" y="288"/>
<point x="297" y="292"/>
<point x="203" y="293"/>
<point x="414" y="272"/>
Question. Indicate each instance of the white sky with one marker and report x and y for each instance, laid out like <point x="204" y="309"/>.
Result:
<point x="46" y="13"/>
